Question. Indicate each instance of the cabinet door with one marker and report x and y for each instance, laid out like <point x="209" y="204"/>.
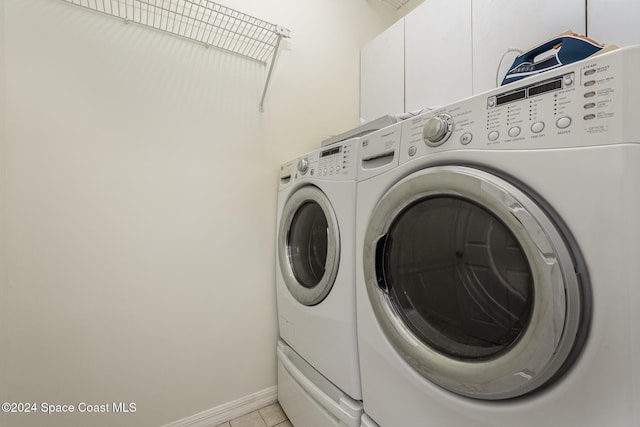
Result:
<point x="498" y="25"/>
<point x="382" y="74"/>
<point x="438" y="53"/>
<point x="614" y="21"/>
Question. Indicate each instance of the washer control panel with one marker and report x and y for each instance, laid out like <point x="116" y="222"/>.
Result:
<point x="336" y="162"/>
<point x="590" y="102"/>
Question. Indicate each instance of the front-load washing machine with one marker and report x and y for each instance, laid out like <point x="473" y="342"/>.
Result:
<point x="497" y="279"/>
<point x="318" y="369"/>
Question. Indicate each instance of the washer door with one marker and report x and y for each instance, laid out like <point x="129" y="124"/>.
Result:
<point x="309" y="245"/>
<point x="473" y="284"/>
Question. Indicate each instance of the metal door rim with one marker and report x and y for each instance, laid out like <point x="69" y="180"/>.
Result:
<point x="546" y="343"/>
<point x="301" y="196"/>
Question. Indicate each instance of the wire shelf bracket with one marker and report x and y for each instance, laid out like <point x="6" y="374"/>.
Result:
<point x="201" y="21"/>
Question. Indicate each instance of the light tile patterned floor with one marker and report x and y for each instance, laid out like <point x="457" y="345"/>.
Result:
<point x="269" y="416"/>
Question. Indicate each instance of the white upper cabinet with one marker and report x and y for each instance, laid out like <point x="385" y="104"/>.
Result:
<point x="614" y="21"/>
<point x="502" y="24"/>
<point x="438" y="53"/>
<point x="382" y="74"/>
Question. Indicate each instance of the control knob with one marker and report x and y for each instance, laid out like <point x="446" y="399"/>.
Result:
<point x="303" y="165"/>
<point x="437" y="129"/>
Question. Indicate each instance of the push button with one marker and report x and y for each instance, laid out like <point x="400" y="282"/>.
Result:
<point x="537" y="127"/>
<point x="568" y="80"/>
<point x="563" y="122"/>
<point x="466" y="138"/>
<point x="493" y="135"/>
<point x="514" y="131"/>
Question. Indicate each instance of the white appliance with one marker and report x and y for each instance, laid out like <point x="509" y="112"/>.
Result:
<point x="367" y="422"/>
<point x="379" y="152"/>
<point x="497" y="279"/>
<point x="318" y="370"/>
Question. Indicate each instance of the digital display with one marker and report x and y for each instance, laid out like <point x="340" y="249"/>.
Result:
<point x="331" y="151"/>
<point x="529" y="91"/>
<point x="511" y="96"/>
<point x="545" y="87"/>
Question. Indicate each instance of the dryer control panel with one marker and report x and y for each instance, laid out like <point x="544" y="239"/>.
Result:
<point x="592" y="102"/>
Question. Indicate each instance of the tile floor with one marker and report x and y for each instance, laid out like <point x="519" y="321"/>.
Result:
<point x="269" y="416"/>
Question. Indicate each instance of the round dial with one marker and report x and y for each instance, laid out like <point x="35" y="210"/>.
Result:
<point x="303" y="165"/>
<point x="437" y="129"/>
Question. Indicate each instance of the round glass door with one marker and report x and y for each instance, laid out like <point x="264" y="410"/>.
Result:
<point x="462" y="283"/>
<point x="308" y="245"/>
<point x="473" y="284"/>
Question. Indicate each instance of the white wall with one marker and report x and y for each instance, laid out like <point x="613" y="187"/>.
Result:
<point x="141" y="184"/>
<point x="315" y="88"/>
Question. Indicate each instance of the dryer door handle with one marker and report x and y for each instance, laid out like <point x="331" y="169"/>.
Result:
<point x="380" y="264"/>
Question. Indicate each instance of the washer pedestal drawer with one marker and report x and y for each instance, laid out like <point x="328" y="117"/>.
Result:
<point x="308" y="398"/>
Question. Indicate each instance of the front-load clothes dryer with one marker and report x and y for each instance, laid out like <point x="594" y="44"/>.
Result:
<point x="498" y="263"/>
<point x="378" y="153"/>
<point x="315" y="286"/>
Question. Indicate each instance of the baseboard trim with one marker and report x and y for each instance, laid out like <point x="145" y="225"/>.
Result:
<point x="228" y="411"/>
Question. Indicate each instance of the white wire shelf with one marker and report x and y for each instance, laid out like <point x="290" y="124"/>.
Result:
<point x="202" y="21"/>
<point x="396" y="4"/>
